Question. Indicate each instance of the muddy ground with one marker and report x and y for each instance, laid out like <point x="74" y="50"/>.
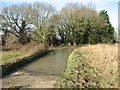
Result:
<point x="23" y="79"/>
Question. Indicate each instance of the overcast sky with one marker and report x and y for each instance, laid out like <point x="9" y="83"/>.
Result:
<point x="110" y="5"/>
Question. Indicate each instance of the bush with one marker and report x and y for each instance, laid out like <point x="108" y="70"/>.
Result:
<point x="79" y="73"/>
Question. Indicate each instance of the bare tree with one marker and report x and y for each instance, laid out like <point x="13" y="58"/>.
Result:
<point x="79" y="23"/>
<point x="42" y="13"/>
<point x="15" y="20"/>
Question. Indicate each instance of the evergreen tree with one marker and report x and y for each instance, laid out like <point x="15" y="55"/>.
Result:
<point x="110" y="29"/>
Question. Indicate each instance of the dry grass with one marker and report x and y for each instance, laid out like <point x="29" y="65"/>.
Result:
<point x="19" y="51"/>
<point x="60" y="47"/>
<point x="105" y="58"/>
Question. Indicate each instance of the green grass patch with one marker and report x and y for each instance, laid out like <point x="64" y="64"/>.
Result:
<point x="12" y="56"/>
<point x="9" y="67"/>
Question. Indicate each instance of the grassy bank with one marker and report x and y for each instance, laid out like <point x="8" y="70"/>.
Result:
<point x="12" y="56"/>
<point x="19" y="55"/>
<point x="8" y="67"/>
<point x="60" y="47"/>
<point x="14" y="52"/>
<point x="92" y="66"/>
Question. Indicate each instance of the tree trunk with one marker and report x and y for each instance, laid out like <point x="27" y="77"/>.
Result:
<point x="74" y="43"/>
<point x="69" y="43"/>
<point x="45" y="45"/>
<point x="23" y="38"/>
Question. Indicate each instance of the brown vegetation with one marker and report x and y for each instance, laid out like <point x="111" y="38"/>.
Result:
<point x="105" y="58"/>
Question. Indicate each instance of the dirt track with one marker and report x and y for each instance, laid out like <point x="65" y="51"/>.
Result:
<point x="29" y="80"/>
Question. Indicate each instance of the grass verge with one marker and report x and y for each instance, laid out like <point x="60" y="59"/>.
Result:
<point x="12" y="56"/>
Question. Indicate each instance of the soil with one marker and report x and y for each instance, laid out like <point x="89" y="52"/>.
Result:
<point x="23" y="79"/>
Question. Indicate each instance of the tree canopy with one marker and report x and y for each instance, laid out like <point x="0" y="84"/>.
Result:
<point x="15" y="20"/>
<point x="75" y="24"/>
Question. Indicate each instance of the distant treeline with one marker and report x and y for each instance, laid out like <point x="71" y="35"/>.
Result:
<point x="75" y="24"/>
